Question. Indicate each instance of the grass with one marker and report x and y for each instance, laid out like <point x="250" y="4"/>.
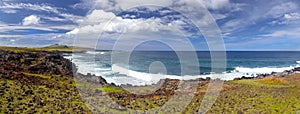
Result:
<point x="49" y="49"/>
<point x="269" y="95"/>
<point x="271" y="83"/>
<point x="111" y="89"/>
<point x="38" y="75"/>
<point x="58" y="94"/>
<point x="17" y="97"/>
<point x="248" y="96"/>
<point x="272" y="80"/>
<point x="22" y="60"/>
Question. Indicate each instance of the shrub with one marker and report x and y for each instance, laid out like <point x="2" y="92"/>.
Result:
<point x="22" y="60"/>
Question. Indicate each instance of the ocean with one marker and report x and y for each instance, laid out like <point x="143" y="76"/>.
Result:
<point x="148" y="67"/>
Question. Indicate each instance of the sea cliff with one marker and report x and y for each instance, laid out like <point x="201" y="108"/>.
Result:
<point x="41" y="81"/>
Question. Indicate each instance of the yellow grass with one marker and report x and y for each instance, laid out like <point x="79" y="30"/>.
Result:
<point x="272" y="80"/>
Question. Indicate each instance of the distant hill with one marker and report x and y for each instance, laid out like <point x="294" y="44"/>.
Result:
<point x="54" y="47"/>
<point x="58" y="46"/>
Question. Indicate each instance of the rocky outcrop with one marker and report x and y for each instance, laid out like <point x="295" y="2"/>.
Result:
<point x="273" y="74"/>
<point x="39" y="62"/>
<point x="33" y="81"/>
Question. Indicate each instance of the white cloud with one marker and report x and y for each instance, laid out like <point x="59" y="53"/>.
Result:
<point x="35" y="7"/>
<point x="99" y="20"/>
<point x="148" y="28"/>
<point x="53" y="18"/>
<point x="75" y="31"/>
<point x="295" y="33"/>
<point x="121" y="5"/>
<point x="280" y="9"/>
<point x="71" y="17"/>
<point x="9" y="11"/>
<point x="233" y="25"/>
<point x="31" y="20"/>
<point x="49" y="28"/>
<point x="99" y="16"/>
<point x="261" y="11"/>
<point x="292" y="16"/>
<point x="131" y="29"/>
<point x="10" y="36"/>
<point x="216" y="4"/>
<point x="288" y="18"/>
<point x="12" y="7"/>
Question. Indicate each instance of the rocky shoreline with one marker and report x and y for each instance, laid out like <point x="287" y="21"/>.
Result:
<point x="273" y="74"/>
<point x="35" y="80"/>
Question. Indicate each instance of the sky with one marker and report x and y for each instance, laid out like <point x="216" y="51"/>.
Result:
<point x="246" y="25"/>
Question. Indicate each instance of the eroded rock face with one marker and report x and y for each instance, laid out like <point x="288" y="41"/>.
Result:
<point x="51" y="63"/>
<point x="46" y="77"/>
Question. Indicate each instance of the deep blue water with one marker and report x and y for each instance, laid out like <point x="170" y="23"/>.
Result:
<point x="237" y="62"/>
<point x="141" y="60"/>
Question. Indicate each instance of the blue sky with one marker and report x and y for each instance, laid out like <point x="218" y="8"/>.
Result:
<point x="244" y="24"/>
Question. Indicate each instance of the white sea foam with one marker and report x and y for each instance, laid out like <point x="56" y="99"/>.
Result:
<point x="154" y="78"/>
<point x="239" y="72"/>
<point x="102" y="69"/>
<point x="262" y="70"/>
<point x="298" y="62"/>
<point x="122" y="75"/>
<point x="94" y="52"/>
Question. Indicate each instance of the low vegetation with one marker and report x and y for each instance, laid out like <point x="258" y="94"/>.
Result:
<point x="268" y="95"/>
<point x="51" y="48"/>
<point x="45" y="84"/>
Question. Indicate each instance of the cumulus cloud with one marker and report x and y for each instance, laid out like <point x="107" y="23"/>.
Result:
<point x="99" y="16"/>
<point x="216" y="4"/>
<point x="110" y="26"/>
<point x="110" y="7"/>
<point x="31" y="20"/>
<point x="75" y="31"/>
<point x="108" y="22"/>
<point x="172" y="27"/>
<point x="119" y="5"/>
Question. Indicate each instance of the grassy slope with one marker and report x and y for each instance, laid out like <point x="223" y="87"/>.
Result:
<point x="65" y="49"/>
<point x="271" y="95"/>
<point x="21" y="97"/>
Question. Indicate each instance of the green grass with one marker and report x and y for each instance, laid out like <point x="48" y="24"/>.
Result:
<point x="22" y="60"/>
<point x="43" y="99"/>
<point x="33" y="62"/>
<point x="38" y="75"/>
<point x="78" y="102"/>
<point x="58" y="94"/>
<point x="269" y="95"/>
<point x="111" y="90"/>
<point x="19" y="51"/>
<point x="262" y="84"/>
<point x="50" y="49"/>
<point x="272" y="80"/>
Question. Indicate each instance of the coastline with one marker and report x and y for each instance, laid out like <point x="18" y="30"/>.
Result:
<point x="50" y="81"/>
<point x="138" y="74"/>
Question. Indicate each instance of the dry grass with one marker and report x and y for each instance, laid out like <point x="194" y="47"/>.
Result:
<point x="272" y="80"/>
